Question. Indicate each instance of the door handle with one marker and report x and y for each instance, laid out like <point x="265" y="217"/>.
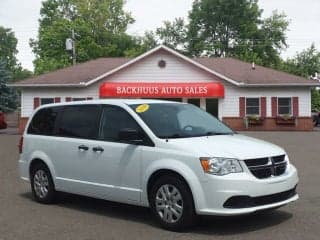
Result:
<point x="98" y="149"/>
<point x="83" y="148"/>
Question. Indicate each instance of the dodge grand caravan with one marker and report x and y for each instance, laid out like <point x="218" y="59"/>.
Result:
<point x="172" y="157"/>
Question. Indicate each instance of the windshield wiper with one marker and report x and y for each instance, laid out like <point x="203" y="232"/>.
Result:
<point x="176" y="135"/>
<point x="217" y="133"/>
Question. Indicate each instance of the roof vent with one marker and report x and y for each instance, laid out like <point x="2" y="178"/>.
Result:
<point x="253" y="66"/>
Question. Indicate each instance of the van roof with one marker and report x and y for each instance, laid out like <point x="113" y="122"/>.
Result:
<point x="111" y="101"/>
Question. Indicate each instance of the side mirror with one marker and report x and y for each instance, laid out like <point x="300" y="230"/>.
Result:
<point x="130" y="135"/>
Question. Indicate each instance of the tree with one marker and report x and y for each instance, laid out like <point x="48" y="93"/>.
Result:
<point x="228" y="28"/>
<point x="8" y="48"/>
<point x="100" y="27"/>
<point x="8" y="52"/>
<point x="174" y="34"/>
<point x="20" y="73"/>
<point x="142" y="44"/>
<point x="8" y="97"/>
<point x="217" y="26"/>
<point x="305" y="64"/>
<point x="266" y="43"/>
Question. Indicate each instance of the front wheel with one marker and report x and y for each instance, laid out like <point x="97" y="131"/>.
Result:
<point x="172" y="203"/>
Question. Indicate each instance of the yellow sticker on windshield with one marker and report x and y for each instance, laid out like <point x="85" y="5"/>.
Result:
<point x="142" y="108"/>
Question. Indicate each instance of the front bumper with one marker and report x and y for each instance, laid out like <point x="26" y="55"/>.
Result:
<point x="217" y="190"/>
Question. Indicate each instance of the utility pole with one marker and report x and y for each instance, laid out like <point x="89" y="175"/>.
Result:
<point x="74" y="57"/>
<point x="71" y="46"/>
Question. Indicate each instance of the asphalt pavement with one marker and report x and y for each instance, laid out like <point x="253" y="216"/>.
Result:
<point x="75" y="217"/>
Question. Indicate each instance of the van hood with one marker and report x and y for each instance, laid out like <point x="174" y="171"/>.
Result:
<point x="229" y="146"/>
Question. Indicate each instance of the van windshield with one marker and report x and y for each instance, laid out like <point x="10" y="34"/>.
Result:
<point x="176" y="120"/>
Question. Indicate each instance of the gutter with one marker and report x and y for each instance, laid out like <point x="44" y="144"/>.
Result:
<point x="280" y="85"/>
<point x="81" y="85"/>
<point x="240" y="84"/>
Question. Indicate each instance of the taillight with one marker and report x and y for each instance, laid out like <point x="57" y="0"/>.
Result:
<point x="20" y="144"/>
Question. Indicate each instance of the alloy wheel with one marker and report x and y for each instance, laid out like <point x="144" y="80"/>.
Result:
<point x="169" y="203"/>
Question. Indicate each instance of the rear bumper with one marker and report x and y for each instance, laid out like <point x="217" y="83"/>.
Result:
<point x="23" y="170"/>
<point x="260" y="194"/>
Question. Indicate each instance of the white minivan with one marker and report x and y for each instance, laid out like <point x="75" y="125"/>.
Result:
<point x="172" y="157"/>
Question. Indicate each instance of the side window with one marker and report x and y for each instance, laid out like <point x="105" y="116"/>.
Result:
<point x="113" y="120"/>
<point x="44" y="121"/>
<point x="79" y="122"/>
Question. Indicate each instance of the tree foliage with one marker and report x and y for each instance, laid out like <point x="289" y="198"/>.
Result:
<point x="8" y="97"/>
<point x="8" y="47"/>
<point x="100" y="27"/>
<point x="174" y="34"/>
<point x="8" y="52"/>
<point x="306" y="64"/>
<point x="142" y="44"/>
<point x="228" y="28"/>
<point x="265" y="45"/>
<point x="217" y="27"/>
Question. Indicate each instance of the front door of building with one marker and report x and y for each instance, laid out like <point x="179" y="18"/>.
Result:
<point x="194" y="101"/>
<point x="212" y="106"/>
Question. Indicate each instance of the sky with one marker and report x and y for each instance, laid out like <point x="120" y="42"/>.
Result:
<point x="304" y="29"/>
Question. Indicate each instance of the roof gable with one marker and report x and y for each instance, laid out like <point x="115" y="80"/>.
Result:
<point x="153" y="51"/>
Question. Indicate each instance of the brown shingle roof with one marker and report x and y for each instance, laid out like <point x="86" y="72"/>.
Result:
<point x="77" y="74"/>
<point x="242" y="72"/>
<point x="239" y="72"/>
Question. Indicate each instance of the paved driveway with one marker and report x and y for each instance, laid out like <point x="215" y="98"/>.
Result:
<point x="78" y="218"/>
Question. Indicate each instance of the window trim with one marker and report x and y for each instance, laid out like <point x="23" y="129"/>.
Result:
<point x="259" y="105"/>
<point x="291" y="106"/>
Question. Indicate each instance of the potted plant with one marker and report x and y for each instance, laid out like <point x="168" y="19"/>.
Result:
<point x="286" y="119"/>
<point x="253" y="120"/>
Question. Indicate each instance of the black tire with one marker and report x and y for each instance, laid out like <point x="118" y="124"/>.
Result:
<point x="188" y="216"/>
<point x="50" y="193"/>
<point x="315" y="121"/>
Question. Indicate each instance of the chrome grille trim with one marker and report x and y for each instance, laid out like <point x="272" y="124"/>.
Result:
<point x="276" y="166"/>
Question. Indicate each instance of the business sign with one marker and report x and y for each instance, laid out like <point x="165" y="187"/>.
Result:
<point x="161" y="90"/>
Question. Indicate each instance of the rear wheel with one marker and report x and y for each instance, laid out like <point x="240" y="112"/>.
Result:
<point x="315" y="121"/>
<point x="42" y="184"/>
<point x="172" y="203"/>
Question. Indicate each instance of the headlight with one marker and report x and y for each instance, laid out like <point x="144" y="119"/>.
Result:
<point x="220" y="166"/>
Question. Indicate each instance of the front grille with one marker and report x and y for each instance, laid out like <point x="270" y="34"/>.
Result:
<point x="267" y="167"/>
<point x="247" y="201"/>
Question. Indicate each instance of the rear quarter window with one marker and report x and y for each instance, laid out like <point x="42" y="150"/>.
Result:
<point x="43" y="122"/>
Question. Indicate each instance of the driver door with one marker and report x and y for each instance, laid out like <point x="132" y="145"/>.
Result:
<point x="118" y="165"/>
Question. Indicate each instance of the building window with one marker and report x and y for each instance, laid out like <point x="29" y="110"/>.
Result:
<point x="79" y="99"/>
<point x="44" y="101"/>
<point x="284" y="106"/>
<point x="252" y="106"/>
